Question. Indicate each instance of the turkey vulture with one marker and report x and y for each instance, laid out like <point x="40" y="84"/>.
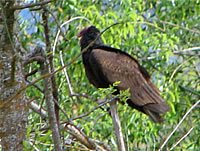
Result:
<point x="105" y="65"/>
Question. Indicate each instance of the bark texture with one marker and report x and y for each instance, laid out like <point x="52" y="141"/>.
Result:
<point x="13" y="112"/>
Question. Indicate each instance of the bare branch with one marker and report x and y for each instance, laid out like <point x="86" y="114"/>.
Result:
<point x="172" y="24"/>
<point x="179" y="67"/>
<point x="30" y="74"/>
<point x="117" y="126"/>
<point x="51" y="63"/>
<point x="46" y="29"/>
<point x="189" y="90"/>
<point x="34" y="146"/>
<point x="187" y="50"/>
<point x="56" y="102"/>
<point x="186" y="54"/>
<point x="65" y="23"/>
<point x="58" y="24"/>
<point x="51" y="109"/>
<point x="48" y="96"/>
<point x="185" y="135"/>
<point x="36" y="108"/>
<point x="32" y="5"/>
<point x="84" y="95"/>
<point x="104" y="145"/>
<point x="36" y="58"/>
<point x="36" y="9"/>
<point x="96" y="107"/>
<point x="81" y="137"/>
<point x="71" y="91"/>
<point x="177" y="126"/>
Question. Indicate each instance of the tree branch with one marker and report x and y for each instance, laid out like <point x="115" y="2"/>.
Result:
<point x="58" y="24"/>
<point x="65" y="23"/>
<point x="51" y="108"/>
<point x="117" y="126"/>
<point x="48" y="94"/>
<point x="185" y="135"/>
<point x="51" y="63"/>
<point x="16" y="7"/>
<point x="177" y="68"/>
<point x="177" y="126"/>
<point x="36" y="108"/>
<point x="172" y="24"/>
<point x="81" y="137"/>
<point x="96" y="107"/>
<point x="71" y="91"/>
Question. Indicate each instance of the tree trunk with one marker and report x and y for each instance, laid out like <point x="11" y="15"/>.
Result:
<point x="13" y="110"/>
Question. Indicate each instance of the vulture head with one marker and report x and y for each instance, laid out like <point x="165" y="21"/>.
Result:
<point x="88" y="35"/>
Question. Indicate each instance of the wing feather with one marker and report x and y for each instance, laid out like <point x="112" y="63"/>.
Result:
<point x="116" y="66"/>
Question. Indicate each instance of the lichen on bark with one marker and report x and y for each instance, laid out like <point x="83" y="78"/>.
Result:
<point x="13" y="115"/>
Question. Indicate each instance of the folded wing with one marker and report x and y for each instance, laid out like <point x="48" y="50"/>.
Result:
<point x="117" y="66"/>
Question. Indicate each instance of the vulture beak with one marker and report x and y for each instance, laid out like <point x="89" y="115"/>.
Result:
<point x="81" y="33"/>
<point x="78" y="36"/>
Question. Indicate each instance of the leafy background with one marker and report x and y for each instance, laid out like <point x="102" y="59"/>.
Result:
<point x="156" y="33"/>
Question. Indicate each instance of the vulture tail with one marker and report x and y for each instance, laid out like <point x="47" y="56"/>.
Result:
<point x="154" y="111"/>
<point x="155" y="117"/>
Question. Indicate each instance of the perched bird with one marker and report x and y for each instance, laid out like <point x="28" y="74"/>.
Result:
<point x="105" y="65"/>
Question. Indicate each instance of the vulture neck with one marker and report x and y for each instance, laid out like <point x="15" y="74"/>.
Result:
<point x="87" y="39"/>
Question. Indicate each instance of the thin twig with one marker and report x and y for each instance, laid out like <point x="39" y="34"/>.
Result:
<point x="30" y="74"/>
<point x="69" y="120"/>
<point x="177" y="126"/>
<point x="179" y="67"/>
<point x="189" y="90"/>
<point x="188" y="70"/>
<point x="186" y="54"/>
<point x="36" y="86"/>
<point x="65" y="23"/>
<point x="151" y="24"/>
<point x="172" y="24"/>
<point x="36" y="108"/>
<point x="81" y="137"/>
<point x="32" y="5"/>
<point x="57" y="22"/>
<point x="71" y="91"/>
<point x="187" y="50"/>
<point x="185" y="135"/>
<point x="85" y="96"/>
<point x="36" y="9"/>
<point x="95" y="108"/>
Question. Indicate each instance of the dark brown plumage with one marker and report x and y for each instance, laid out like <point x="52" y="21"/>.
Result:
<point x="105" y="65"/>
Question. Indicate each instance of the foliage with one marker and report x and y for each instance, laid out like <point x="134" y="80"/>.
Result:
<point x="152" y="31"/>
